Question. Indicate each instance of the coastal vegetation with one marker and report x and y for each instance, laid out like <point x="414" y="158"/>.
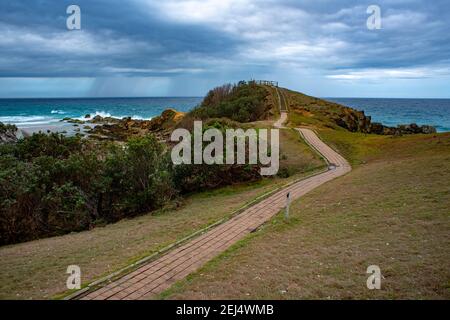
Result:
<point x="37" y="269"/>
<point x="242" y="102"/>
<point x="8" y="133"/>
<point x="320" y="113"/>
<point x="51" y="184"/>
<point x="391" y="211"/>
<point x="73" y="188"/>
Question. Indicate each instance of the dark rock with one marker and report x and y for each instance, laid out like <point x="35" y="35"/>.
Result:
<point x="70" y="120"/>
<point x="377" y="128"/>
<point x="122" y="129"/>
<point x="97" y="119"/>
<point x="8" y="133"/>
<point x="428" y="129"/>
<point x="413" y="128"/>
<point x="390" y="131"/>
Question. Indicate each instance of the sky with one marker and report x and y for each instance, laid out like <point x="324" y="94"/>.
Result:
<point x="185" y="47"/>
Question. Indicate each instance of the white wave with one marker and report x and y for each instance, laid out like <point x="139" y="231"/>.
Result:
<point x="34" y="123"/>
<point x="58" y="112"/>
<point x="13" y="119"/>
<point x="105" y="114"/>
<point x="102" y="114"/>
<point x="21" y="121"/>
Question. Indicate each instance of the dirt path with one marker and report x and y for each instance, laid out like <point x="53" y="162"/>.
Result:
<point x="279" y="123"/>
<point x="282" y="100"/>
<point x="156" y="276"/>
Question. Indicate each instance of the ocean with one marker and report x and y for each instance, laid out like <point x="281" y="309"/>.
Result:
<point x="392" y="112"/>
<point x="43" y="113"/>
<point x="30" y="113"/>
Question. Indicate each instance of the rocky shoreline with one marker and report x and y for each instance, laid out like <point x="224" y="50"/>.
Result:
<point x="114" y="129"/>
<point x="121" y="129"/>
<point x="357" y="121"/>
<point x="108" y="128"/>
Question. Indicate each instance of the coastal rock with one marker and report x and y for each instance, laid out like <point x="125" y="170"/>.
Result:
<point x="315" y="111"/>
<point x="413" y="128"/>
<point x="8" y="133"/>
<point x="356" y="121"/>
<point x="97" y="119"/>
<point x="352" y="120"/>
<point x="168" y="119"/>
<point x="390" y="131"/>
<point x="71" y="120"/>
<point x="377" y="128"/>
<point x="103" y="120"/>
<point x="428" y="129"/>
<point x="122" y="129"/>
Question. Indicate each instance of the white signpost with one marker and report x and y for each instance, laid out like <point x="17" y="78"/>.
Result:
<point x="288" y="203"/>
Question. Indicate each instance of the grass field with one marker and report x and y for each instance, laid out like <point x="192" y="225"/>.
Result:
<point x="36" y="270"/>
<point x="392" y="210"/>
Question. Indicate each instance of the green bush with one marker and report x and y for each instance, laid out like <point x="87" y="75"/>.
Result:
<point x="137" y="178"/>
<point x="243" y="102"/>
<point x="191" y="178"/>
<point x="52" y="184"/>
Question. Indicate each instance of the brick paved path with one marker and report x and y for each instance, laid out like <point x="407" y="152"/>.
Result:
<point x="156" y="276"/>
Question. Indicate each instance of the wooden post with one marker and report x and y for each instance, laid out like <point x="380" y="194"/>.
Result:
<point x="288" y="203"/>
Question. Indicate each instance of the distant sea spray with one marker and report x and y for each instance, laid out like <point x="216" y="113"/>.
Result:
<point x="58" y="112"/>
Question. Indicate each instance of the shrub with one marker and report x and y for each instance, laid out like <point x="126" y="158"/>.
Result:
<point x="137" y="178"/>
<point x="52" y="185"/>
<point x="198" y="177"/>
<point x="243" y="102"/>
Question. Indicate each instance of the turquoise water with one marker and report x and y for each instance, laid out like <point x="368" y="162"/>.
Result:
<point x="392" y="112"/>
<point x="29" y="113"/>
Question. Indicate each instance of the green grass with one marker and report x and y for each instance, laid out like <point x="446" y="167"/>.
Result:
<point x="36" y="269"/>
<point x="392" y="210"/>
<point x="360" y="148"/>
<point x="295" y="154"/>
<point x="310" y="111"/>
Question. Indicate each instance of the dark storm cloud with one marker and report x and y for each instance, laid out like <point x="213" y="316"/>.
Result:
<point x="216" y="39"/>
<point x="116" y="37"/>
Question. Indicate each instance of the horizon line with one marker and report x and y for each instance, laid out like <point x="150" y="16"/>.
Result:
<point x="163" y="97"/>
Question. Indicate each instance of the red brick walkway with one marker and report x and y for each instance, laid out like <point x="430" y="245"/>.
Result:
<point x="154" y="277"/>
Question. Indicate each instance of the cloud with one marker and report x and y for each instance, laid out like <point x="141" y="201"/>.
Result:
<point x="68" y="43"/>
<point x="224" y="39"/>
<point x="151" y="71"/>
<point x="386" y="74"/>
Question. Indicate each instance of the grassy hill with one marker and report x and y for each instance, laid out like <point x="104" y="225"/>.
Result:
<point x="37" y="269"/>
<point x="391" y="210"/>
